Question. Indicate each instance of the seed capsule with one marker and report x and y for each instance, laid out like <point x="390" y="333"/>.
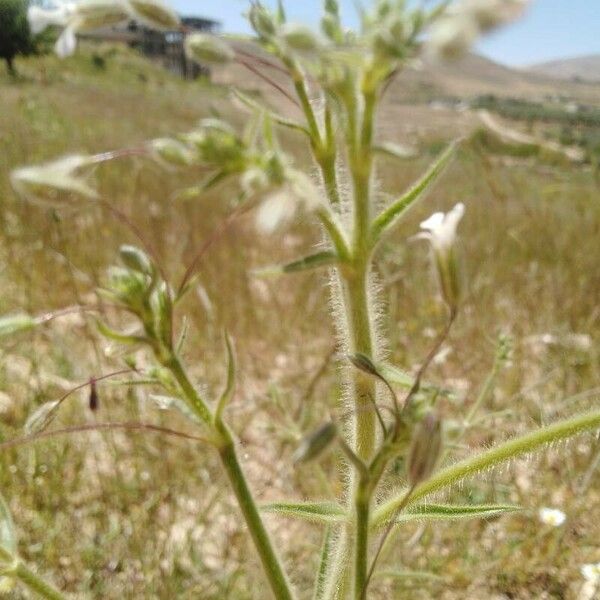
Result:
<point x="425" y="449"/>
<point x="208" y="49"/>
<point x="315" y="443"/>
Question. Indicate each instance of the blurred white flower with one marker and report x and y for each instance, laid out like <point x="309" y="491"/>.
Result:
<point x="41" y="18"/>
<point x="63" y="175"/>
<point x="279" y="207"/>
<point x="441" y="228"/>
<point x="591" y="572"/>
<point x="552" y="516"/>
<point x="456" y="31"/>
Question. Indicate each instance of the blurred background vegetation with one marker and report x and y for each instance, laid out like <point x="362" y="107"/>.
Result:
<point x="113" y="514"/>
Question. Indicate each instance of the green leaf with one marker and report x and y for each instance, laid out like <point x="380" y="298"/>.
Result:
<point x="396" y="574"/>
<point x="391" y="214"/>
<point x="40" y="417"/>
<point x="449" y="512"/>
<point x="324" y="561"/>
<point x="117" y="336"/>
<point x="15" y="323"/>
<point x="317" y="512"/>
<point x="174" y="403"/>
<point x="313" y="261"/>
<point x="230" y="384"/>
<point x="402" y="378"/>
<point x="395" y="150"/>
<point x="257" y="106"/>
<point x="515" y="448"/>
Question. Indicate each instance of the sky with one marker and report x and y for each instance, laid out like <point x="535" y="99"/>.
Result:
<point x="551" y="29"/>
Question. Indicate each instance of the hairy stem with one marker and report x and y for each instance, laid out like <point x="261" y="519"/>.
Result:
<point x="280" y="585"/>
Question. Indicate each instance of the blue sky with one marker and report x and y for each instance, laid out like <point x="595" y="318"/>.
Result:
<point x="551" y="29"/>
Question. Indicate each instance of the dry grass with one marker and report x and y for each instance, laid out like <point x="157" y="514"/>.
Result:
<point x="114" y="514"/>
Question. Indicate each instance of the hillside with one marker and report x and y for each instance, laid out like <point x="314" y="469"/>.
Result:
<point x="584" y="68"/>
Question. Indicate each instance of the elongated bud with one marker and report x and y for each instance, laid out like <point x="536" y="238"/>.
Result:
<point x="44" y="182"/>
<point x="170" y="152"/>
<point x="136" y="259"/>
<point x="425" y="449"/>
<point x="155" y="14"/>
<point x="208" y="49"/>
<point x="363" y="363"/>
<point x="94" y="14"/>
<point x="93" y="400"/>
<point x="314" y="444"/>
<point x="262" y="21"/>
<point x="15" y="323"/>
<point x="300" y="38"/>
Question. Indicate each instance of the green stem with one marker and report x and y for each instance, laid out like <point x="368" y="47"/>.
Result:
<point x="361" y="559"/>
<point x="36" y="584"/>
<point x="270" y="560"/>
<point x="16" y="568"/>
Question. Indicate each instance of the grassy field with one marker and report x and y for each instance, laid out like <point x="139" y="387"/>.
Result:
<point x="110" y="514"/>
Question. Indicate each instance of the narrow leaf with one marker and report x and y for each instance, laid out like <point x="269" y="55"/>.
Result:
<point x="395" y="150"/>
<point x="402" y="378"/>
<point x="515" y="448"/>
<point x="117" y="336"/>
<point x="15" y="323"/>
<point x="40" y="417"/>
<point x="396" y="574"/>
<point x="449" y="512"/>
<point x="257" y="106"/>
<point x="324" y="561"/>
<point x="387" y="218"/>
<point x="317" y="512"/>
<point x="230" y="384"/>
<point x="313" y="261"/>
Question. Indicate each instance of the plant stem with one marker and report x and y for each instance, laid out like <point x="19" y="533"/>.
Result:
<point x="270" y="561"/>
<point x="226" y="446"/>
<point x="36" y="584"/>
<point x="361" y="559"/>
<point x="17" y="568"/>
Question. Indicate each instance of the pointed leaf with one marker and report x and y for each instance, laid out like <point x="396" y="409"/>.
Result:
<point x="402" y="378"/>
<point x="230" y="384"/>
<point x="255" y="105"/>
<point x="449" y="512"/>
<point x="317" y="512"/>
<point x="117" y="336"/>
<point x="387" y="218"/>
<point x="515" y="448"/>
<point x="395" y="150"/>
<point x="40" y="417"/>
<point x="15" y="323"/>
<point x="313" y="261"/>
<point x="324" y="561"/>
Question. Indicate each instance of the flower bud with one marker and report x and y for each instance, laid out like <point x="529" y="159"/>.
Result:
<point x="45" y="182"/>
<point x="314" y="444"/>
<point x="262" y="21"/>
<point x="425" y="449"/>
<point x="208" y="49"/>
<point x="441" y="232"/>
<point x="155" y="14"/>
<point x="363" y="363"/>
<point x="300" y="38"/>
<point x="94" y="14"/>
<point x="171" y="152"/>
<point x="135" y="259"/>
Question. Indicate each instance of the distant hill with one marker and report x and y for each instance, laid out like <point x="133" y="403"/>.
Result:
<point x="585" y="68"/>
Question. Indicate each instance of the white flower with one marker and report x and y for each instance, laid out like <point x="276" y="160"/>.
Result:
<point x="552" y="516"/>
<point x="66" y="43"/>
<point x="441" y="228"/>
<point x="591" y="572"/>
<point x="63" y="175"/>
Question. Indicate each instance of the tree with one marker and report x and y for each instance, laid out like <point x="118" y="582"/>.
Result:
<point x="15" y="36"/>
